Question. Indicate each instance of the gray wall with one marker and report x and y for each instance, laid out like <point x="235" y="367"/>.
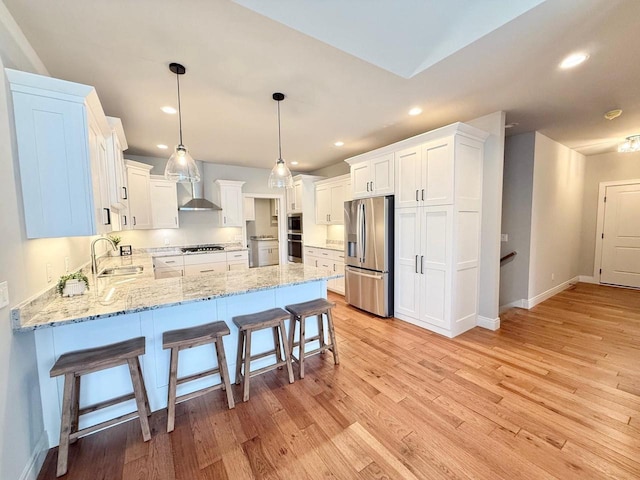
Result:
<point x="516" y="216"/>
<point x="331" y="171"/>
<point x="606" y="167"/>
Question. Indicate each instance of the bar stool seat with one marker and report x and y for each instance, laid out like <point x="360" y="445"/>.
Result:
<point x="300" y="312"/>
<point x="191" y="337"/>
<point x="247" y="324"/>
<point x="75" y="364"/>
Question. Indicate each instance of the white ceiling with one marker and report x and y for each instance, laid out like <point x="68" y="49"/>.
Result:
<point x="236" y="58"/>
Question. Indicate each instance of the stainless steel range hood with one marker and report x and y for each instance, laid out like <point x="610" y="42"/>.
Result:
<point x="198" y="202"/>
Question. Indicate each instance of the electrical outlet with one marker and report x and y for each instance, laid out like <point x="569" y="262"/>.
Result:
<point x="66" y="264"/>
<point x="504" y="237"/>
<point x="4" y="294"/>
<point x="553" y="276"/>
<point x="167" y="242"/>
<point x="49" y="273"/>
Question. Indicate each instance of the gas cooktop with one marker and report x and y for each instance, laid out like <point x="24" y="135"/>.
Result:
<point x="202" y="248"/>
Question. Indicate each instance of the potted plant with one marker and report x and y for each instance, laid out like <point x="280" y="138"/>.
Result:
<point x="72" y="284"/>
<point x="116" y="241"/>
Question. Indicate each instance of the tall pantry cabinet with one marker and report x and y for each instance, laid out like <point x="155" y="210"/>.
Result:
<point x="437" y="228"/>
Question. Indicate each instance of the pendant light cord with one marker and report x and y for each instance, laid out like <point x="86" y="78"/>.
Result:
<point x="179" y="109"/>
<point x="279" y="137"/>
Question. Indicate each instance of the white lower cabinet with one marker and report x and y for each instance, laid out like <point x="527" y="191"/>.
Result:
<point x="265" y="252"/>
<point x="332" y="260"/>
<point x="164" y="203"/>
<point x="168" y="266"/>
<point x="201" y="263"/>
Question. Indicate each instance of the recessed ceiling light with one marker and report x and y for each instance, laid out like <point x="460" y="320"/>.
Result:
<point x="415" y="111"/>
<point x="339" y="144"/>
<point x="169" y="110"/>
<point x="611" y="114"/>
<point x="511" y="125"/>
<point x="574" y="60"/>
<point x="294" y="163"/>
<point x="162" y="146"/>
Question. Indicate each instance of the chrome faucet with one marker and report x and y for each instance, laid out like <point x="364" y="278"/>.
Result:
<point x="94" y="261"/>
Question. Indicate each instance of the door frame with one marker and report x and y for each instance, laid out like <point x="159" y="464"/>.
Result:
<point x="602" y="189"/>
<point x="282" y="227"/>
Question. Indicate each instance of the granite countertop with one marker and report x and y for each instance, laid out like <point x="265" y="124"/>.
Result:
<point x="108" y="297"/>
<point x="339" y="247"/>
<point x="263" y="239"/>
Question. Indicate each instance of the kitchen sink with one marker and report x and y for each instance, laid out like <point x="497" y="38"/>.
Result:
<point x="118" y="271"/>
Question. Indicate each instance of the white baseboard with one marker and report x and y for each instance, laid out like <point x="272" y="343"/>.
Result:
<point x="33" y="466"/>
<point x="588" y="279"/>
<point x="489" y="323"/>
<point x="532" y="302"/>
<point x="517" y="304"/>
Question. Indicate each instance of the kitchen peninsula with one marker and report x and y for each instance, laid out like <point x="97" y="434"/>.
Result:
<point x="122" y="307"/>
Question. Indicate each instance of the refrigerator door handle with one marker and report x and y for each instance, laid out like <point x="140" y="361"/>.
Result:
<point x="364" y="232"/>
<point x="367" y="275"/>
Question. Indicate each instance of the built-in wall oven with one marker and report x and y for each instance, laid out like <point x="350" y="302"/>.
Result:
<point x="294" y="237"/>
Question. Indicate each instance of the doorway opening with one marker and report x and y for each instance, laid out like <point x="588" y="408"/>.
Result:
<point x="265" y="229"/>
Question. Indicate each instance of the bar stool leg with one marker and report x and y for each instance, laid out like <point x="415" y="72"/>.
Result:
<point x="332" y="334"/>
<point x="138" y="385"/>
<point x="65" y="427"/>
<point x="144" y="390"/>
<point x="303" y="321"/>
<point x="75" y="407"/>
<point x="247" y="366"/>
<point x="292" y="332"/>
<point x="276" y="346"/>
<point x="287" y="351"/>
<point x="321" y="333"/>
<point x="224" y="372"/>
<point x="239" y="356"/>
<point x="173" y="385"/>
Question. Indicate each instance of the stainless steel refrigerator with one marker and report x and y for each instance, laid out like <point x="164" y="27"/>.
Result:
<point x="368" y="230"/>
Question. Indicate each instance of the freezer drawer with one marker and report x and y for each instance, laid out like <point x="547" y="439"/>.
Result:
<point x="368" y="291"/>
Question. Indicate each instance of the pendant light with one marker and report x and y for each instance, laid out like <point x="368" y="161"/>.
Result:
<point x="631" y="144"/>
<point x="181" y="167"/>
<point x="280" y="176"/>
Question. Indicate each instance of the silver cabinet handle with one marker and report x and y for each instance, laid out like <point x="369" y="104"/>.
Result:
<point x="224" y="219"/>
<point x="423" y="194"/>
<point x="206" y="271"/>
<point x="124" y="220"/>
<point x="372" y="186"/>
<point x="124" y="193"/>
<point x="416" y="195"/>
<point x="170" y="261"/>
<point x="422" y="264"/>
<point x="316" y="263"/>
<point x="134" y="221"/>
<point x="417" y="263"/>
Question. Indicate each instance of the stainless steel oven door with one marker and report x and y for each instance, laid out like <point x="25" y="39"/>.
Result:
<point x="368" y="291"/>
<point x="294" y="248"/>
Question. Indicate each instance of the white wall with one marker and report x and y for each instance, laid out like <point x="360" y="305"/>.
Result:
<point x="491" y="213"/>
<point x="606" y="167"/>
<point x="516" y="216"/>
<point x="556" y="215"/>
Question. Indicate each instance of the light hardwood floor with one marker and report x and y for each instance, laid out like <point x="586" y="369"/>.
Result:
<point x="554" y="394"/>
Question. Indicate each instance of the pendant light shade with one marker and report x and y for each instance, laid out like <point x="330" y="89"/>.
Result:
<point x="280" y="176"/>
<point x="631" y="144"/>
<point x="181" y="167"/>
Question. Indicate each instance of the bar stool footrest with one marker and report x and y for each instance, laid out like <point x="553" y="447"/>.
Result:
<point x="197" y="376"/>
<point x="107" y="403"/>
<point x="100" y="426"/>
<point x="197" y="393"/>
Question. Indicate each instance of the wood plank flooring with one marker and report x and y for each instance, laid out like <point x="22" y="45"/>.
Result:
<point x="555" y="393"/>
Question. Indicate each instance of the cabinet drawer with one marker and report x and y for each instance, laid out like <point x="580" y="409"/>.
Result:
<point x="168" y="272"/>
<point x="238" y="265"/>
<point x="199" y="269"/>
<point x="170" y="262"/>
<point x="201" y="258"/>
<point x="242" y="255"/>
<point x="338" y="255"/>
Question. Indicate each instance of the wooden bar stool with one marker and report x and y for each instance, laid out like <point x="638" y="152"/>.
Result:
<point x="186" y="338"/>
<point x="247" y="324"/>
<point x="75" y="364"/>
<point x="299" y="313"/>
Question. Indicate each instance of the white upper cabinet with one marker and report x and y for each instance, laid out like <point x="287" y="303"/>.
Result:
<point x="249" y="209"/>
<point x="231" y="201"/>
<point x="373" y="177"/>
<point x="330" y="197"/>
<point x="164" y="203"/>
<point x="61" y="131"/>
<point x="294" y="197"/>
<point x="116" y="144"/>
<point x="139" y="181"/>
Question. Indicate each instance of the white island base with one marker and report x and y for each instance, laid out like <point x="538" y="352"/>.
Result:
<point x="106" y="384"/>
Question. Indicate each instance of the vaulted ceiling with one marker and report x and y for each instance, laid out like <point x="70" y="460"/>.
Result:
<point x="351" y="70"/>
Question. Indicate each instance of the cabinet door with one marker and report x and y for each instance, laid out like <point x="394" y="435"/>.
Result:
<point x="323" y="204"/>
<point x="238" y="265"/>
<point x="249" y="209"/>
<point x="382" y="175"/>
<point x="164" y="204"/>
<point x="407" y="262"/>
<point x="408" y="170"/>
<point x="360" y="179"/>
<point x="274" y="207"/>
<point x="291" y="199"/>
<point x="139" y="199"/>
<point x="338" y="196"/>
<point x="202" y="268"/>
<point x="435" y="268"/>
<point x="231" y="199"/>
<point x="98" y="162"/>
<point x="297" y="194"/>
<point x="337" y="284"/>
<point x="437" y="172"/>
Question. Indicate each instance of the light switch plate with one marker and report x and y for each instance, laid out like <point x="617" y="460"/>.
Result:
<point x="504" y="237"/>
<point x="4" y="294"/>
